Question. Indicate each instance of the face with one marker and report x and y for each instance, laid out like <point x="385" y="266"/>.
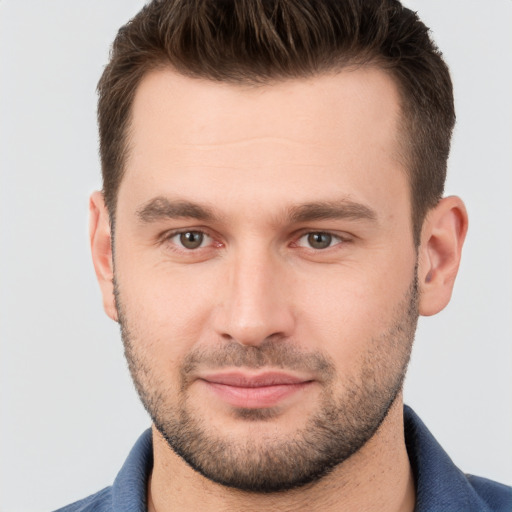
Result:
<point x="265" y="270"/>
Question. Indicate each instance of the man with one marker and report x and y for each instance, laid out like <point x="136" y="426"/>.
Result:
<point x="271" y="226"/>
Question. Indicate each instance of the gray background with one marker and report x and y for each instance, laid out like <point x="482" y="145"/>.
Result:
<point x="69" y="413"/>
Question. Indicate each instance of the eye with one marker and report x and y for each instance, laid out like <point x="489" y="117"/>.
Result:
<point x="319" y="240"/>
<point x="190" y="239"/>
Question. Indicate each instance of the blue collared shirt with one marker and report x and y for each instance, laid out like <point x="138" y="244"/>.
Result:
<point x="440" y="485"/>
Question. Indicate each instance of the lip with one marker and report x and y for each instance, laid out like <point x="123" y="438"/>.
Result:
<point x="254" y="391"/>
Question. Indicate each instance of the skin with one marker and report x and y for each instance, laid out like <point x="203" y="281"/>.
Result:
<point x="250" y="156"/>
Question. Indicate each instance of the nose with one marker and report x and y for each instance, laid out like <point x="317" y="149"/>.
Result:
<point x="257" y="302"/>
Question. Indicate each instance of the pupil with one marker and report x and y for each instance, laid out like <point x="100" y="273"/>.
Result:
<point x="319" y="240"/>
<point x="191" y="240"/>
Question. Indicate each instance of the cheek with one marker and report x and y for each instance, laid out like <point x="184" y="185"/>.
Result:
<point x="351" y="306"/>
<point x="169" y="309"/>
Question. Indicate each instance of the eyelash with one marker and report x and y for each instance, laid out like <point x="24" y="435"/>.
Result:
<point x="169" y="236"/>
<point x="338" y="239"/>
<point x="333" y="237"/>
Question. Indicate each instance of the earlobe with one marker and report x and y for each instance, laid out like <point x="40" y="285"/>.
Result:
<point x="442" y="237"/>
<point x="101" y="250"/>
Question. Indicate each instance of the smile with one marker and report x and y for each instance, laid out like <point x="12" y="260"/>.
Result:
<point x="246" y="391"/>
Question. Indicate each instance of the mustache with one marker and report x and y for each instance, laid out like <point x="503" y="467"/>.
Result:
<point x="270" y="353"/>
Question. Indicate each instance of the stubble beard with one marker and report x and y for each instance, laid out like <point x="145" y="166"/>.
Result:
<point x="342" y="424"/>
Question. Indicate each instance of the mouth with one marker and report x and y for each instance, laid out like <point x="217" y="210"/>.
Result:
<point x="255" y="391"/>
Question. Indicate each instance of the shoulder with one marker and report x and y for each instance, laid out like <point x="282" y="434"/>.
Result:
<point x="98" y="502"/>
<point x="498" y="497"/>
<point x="129" y="489"/>
<point x="442" y="486"/>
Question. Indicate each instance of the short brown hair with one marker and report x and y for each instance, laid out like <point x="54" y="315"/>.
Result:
<point x="260" y="41"/>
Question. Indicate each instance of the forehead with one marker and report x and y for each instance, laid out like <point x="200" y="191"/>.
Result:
<point x="302" y="108"/>
<point x="303" y="138"/>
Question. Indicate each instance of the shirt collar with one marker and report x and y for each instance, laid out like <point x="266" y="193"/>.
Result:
<point x="129" y="492"/>
<point x="440" y="485"/>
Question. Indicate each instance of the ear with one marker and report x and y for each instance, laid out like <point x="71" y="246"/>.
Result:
<point x="101" y="249"/>
<point x="442" y="237"/>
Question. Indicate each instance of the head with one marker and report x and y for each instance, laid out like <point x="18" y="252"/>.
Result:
<point x="269" y="170"/>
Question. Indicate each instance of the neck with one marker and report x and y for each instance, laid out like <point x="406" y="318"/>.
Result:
<point x="376" y="478"/>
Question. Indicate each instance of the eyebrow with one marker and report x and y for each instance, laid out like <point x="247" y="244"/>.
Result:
<point x="161" y="208"/>
<point x="325" y="210"/>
